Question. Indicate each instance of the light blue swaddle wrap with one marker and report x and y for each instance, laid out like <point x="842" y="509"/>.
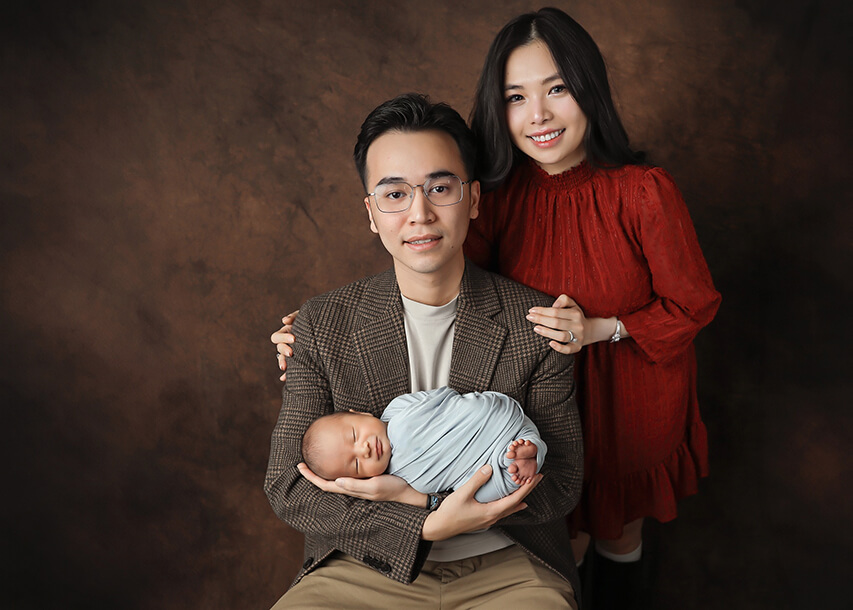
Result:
<point x="439" y="438"/>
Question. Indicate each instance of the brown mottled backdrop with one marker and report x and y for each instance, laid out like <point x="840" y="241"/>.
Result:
<point x="176" y="175"/>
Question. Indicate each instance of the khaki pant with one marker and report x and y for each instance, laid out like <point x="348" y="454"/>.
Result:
<point x="502" y="579"/>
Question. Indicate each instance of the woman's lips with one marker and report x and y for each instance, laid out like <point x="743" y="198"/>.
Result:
<point x="547" y="139"/>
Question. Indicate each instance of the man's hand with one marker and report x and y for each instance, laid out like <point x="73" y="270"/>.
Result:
<point x="461" y="513"/>
<point x="382" y="488"/>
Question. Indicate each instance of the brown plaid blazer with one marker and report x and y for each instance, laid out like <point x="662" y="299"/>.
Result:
<point x="351" y="353"/>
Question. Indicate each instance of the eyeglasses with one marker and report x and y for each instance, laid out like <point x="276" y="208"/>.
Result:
<point x="394" y="197"/>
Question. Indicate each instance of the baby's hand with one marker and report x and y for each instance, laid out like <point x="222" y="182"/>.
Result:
<point x="523" y="468"/>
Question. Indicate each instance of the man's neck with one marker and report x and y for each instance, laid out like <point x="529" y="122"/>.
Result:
<point x="435" y="289"/>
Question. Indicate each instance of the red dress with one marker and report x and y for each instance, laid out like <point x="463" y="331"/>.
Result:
<point x="620" y="243"/>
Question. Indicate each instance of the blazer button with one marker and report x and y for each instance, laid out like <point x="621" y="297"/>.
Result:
<point x="307" y="563"/>
<point x="385" y="567"/>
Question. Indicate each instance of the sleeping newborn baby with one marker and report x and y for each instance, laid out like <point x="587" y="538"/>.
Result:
<point x="434" y="440"/>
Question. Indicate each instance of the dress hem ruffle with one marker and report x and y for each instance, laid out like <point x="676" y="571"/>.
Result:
<point x="606" y="506"/>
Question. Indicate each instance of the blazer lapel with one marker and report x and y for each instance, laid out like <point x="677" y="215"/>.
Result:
<point x="478" y="339"/>
<point x="380" y="343"/>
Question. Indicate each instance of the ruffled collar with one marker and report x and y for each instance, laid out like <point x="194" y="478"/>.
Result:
<point x="570" y="179"/>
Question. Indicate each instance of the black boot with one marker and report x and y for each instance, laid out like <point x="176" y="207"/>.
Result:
<point x="585" y="576"/>
<point x="616" y="586"/>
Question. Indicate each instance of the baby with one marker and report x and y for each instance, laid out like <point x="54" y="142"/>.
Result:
<point x="434" y="440"/>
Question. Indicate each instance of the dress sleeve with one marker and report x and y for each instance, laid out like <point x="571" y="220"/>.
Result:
<point x="684" y="296"/>
<point x="357" y="527"/>
<point x="481" y="245"/>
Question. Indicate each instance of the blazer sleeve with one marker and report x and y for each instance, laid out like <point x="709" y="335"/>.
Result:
<point x="550" y="404"/>
<point x="384" y="535"/>
<point x="685" y="298"/>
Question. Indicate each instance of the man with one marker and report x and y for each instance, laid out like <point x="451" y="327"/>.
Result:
<point x="432" y="320"/>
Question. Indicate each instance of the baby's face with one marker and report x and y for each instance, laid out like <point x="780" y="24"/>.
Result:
<point x="358" y="443"/>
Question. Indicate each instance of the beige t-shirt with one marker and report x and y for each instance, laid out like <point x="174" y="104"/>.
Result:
<point x="429" y="337"/>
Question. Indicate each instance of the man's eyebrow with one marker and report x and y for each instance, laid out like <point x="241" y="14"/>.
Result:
<point x="439" y="173"/>
<point x="442" y="173"/>
<point x="390" y="180"/>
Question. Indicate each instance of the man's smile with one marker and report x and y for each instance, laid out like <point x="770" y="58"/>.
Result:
<point x="422" y="242"/>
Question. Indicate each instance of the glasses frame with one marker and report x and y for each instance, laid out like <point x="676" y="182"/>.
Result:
<point x="421" y="186"/>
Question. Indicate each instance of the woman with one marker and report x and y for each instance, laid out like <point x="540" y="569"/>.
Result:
<point x="574" y="213"/>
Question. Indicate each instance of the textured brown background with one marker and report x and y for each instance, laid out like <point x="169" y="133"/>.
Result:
<point x="176" y="175"/>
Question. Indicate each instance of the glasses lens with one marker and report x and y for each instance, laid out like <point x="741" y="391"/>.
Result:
<point x="445" y="190"/>
<point x="393" y="197"/>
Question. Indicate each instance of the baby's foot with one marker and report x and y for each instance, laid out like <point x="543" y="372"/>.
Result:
<point x="523" y="468"/>
<point x="521" y="450"/>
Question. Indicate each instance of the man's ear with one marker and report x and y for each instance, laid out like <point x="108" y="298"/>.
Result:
<point x="370" y="215"/>
<point x="475" y="199"/>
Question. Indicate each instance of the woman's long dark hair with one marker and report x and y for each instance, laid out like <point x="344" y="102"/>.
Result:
<point x="583" y="71"/>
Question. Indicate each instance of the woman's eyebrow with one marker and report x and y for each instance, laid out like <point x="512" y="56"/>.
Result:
<point x="545" y="81"/>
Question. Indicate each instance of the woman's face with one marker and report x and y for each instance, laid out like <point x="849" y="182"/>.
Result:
<point x="543" y="118"/>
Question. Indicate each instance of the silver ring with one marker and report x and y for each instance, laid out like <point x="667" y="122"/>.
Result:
<point x="572" y="338"/>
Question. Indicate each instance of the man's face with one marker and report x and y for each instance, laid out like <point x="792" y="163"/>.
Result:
<point x="354" y="445"/>
<point x="425" y="240"/>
